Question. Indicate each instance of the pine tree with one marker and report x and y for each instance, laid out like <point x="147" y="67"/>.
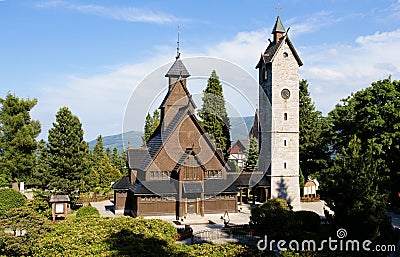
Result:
<point x="156" y="120"/>
<point x="354" y="191"/>
<point x="213" y="113"/>
<point x="252" y="155"/>
<point x="118" y="161"/>
<point x="102" y="172"/>
<point x="18" y="133"/>
<point x="98" y="149"/>
<point x="148" y="127"/>
<point x="41" y="175"/>
<point x="69" y="157"/>
<point x="314" y="135"/>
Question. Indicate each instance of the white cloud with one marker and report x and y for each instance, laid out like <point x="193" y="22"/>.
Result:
<point x="335" y="71"/>
<point x="313" y="23"/>
<point x="99" y="101"/>
<point x="128" y="14"/>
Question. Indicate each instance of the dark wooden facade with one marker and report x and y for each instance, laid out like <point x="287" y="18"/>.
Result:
<point x="180" y="171"/>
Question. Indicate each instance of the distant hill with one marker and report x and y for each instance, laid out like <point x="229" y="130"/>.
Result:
<point x="240" y="127"/>
<point x="120" y="141"/>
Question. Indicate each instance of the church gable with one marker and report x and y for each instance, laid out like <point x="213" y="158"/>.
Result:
<point x="188" y="134"/>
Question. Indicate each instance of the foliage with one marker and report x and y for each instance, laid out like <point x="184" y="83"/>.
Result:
<point x="118" y="160"/>
<point x="102" y="172"/>
<point x="273" y="218"/>
<point x="18" y="133"/>
<point x="310" y="221"/>
<point x="107" y="237"/>
<point x="41" y="171"/>
<point x="9" y="199"/>
<point x="252" y="155"/>
<point x="315" y="134"/>
<point x="213" y="113"/>
<point x="26" y="227"/>
<point x="301" y="179"/>
<point x="124" y="237"/>
<point x="68" y="154"/>
<point x="373" y="114"/>
<point x="352" y="185"/>
<point x="150" y="125"/>
<point x="87" y="211"/>
<point x="40" y="203"/>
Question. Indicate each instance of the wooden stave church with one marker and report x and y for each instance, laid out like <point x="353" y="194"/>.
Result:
<point x="140" y="195"/>
<point x="158" y="181"/>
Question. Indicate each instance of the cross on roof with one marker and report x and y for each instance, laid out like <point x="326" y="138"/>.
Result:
<point x="279" y="8"/>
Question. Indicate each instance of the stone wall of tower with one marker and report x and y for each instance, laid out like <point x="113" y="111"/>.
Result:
<point x="285" y="127"/>
<point x="279" y="121"/>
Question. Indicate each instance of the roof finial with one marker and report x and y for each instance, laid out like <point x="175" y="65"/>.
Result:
<point x="279" y="8"/>
<point x="177" y="47"/>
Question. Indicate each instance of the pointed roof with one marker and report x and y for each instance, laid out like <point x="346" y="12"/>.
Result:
<point x="278" y="26"/>
<point x="178" y="69"/>
<point x="273" y="47"/>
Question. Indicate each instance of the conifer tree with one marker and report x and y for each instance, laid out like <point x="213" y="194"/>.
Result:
<point x="156" y="120"/>
<point x="118" y="161"/>
<point x="18" y="133"/>
<point x="102" y="172"/>
<point x="41" y="175"/>
<point x="314" y="135"/>
<point x="69" y="157"/>
<point x="148" y="127"/>
<point x="252" y="155"/>
<point x="213" y="113"/>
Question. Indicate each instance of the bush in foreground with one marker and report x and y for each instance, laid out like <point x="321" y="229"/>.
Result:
<point x="87" y="211"/>
<point x="9" y="198"/>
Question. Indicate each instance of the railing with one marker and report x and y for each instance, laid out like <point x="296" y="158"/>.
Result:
<point x="226" y="235"/>
<point x="85" y="200"/>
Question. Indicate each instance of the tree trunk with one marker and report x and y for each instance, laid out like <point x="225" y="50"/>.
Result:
<point x="15" y="184"/>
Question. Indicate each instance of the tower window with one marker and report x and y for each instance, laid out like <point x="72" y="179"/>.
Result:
<point x="285" y="116"/>
<point x="285" y="54"/>
<point x="284" y="165"/>
<point x="265" y="74"/>
<point x="284" y="143"/>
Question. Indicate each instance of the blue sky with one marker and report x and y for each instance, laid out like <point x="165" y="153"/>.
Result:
<point x="91" y="55"/>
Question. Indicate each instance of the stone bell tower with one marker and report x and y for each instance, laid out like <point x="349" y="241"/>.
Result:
<point x="279" y="116"/>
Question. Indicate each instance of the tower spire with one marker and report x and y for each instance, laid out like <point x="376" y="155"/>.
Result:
<point x="178" y="54"/>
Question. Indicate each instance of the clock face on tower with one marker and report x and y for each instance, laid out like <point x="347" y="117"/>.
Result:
<point x="285" y="93"/>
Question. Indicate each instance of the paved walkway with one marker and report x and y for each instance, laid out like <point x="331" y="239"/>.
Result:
<point x="105" y="208"/>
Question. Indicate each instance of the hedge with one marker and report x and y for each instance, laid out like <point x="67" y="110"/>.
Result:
<point x="87" y="211"/>
<point x="9" y="199"/>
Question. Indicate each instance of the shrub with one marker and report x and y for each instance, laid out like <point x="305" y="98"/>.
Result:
<point x="9" y="199"/>
<point x="309" y="220"/>
<point x="87" y="211"/>
<point x="21" y="221"/>
<point x="40" y="203"/>
<point x="274" y="219"/>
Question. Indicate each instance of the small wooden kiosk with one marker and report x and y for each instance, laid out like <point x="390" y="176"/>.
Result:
<point x="59" y="206"/>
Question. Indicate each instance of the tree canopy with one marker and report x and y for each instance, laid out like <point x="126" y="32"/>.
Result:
<point x="18" y="133"/>
<point x="252" y="155"/>
<point x="213" y="113"/>
<point x="373" y="114"/>
<point x="150" y="125"/>
<point x="314" y="135"/>
<point x="68" y="153"/>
